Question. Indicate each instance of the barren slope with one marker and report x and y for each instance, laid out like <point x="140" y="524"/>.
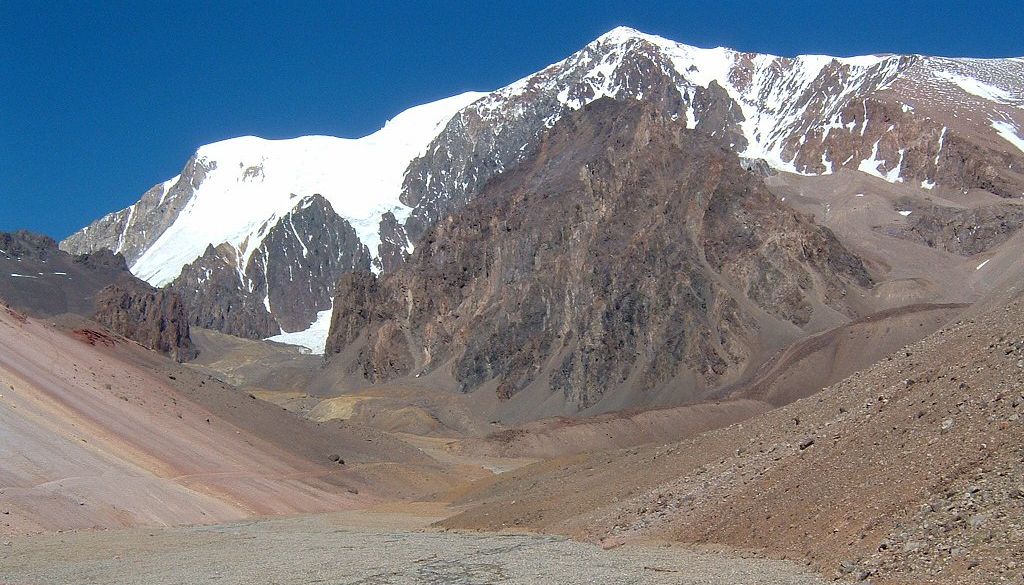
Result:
<point x="909" y="471"/>
<point x="95" y="431"/>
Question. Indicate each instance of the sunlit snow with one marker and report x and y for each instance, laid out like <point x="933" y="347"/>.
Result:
<point x="256" y="179"/>
<point x="977" y="87"/>
<point x="314" y="338"/>
<point x="1009" y="133"/>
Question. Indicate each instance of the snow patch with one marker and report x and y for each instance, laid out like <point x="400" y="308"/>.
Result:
<point x="1009" y="133"/>
<point x="872" y="165"/>
<point x="977" y="87"/>
<point x="983" y="264"/>
<point x="904" y="212"/>
<point x="313" y="338"/>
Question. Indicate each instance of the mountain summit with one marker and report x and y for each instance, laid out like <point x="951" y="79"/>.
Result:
<point x="925" y="122"/>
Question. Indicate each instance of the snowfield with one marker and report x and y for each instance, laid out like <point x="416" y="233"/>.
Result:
<point x="257" y="180"/>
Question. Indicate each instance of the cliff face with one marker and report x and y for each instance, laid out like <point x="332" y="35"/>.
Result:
<point x="283" y="284"/>
<point x="628" y="253"/>
<point x="155" y="318"/>
<point x="42" y="280"/>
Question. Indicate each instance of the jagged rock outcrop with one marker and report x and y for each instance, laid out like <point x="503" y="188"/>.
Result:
<point x="39" y="278"/>
<point x="155" y="318"/>
<point x="285" y="281"/>
<point x="963" y="231"/>
<point x="394" y="246"/>
<point x="629" y="252"/>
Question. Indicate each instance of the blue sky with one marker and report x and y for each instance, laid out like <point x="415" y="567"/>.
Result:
<point x="99" y="101"/>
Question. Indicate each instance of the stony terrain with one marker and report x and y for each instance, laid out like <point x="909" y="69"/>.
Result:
<point x="907" y="472"/>
<point x="363" y="549"/>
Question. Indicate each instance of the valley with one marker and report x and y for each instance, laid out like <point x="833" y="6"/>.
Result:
<point x="652" y="314"/>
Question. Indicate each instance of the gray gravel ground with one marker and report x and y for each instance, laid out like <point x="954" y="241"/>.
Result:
<point x="332" y="549"/>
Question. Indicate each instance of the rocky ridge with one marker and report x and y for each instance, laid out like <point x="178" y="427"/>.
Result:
<point x="42" y="280"/>
<point x="629" y="253"/>
<point x="936" y="123"/>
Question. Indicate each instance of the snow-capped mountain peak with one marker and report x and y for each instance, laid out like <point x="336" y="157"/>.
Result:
<point x="250" y="179"/>
<point x="934" y="122"/>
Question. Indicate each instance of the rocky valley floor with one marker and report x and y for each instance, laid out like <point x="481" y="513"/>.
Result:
<point x="364" y="548"/>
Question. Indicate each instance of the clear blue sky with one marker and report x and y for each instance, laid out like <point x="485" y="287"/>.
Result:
<point x="99" y="101"/>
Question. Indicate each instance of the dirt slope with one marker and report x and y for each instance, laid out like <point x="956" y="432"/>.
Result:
<point x="908" y="472"/>
<point x="96" y="431"/>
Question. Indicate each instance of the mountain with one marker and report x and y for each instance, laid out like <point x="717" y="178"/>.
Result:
<point x="248" y="213"/>
<point x="934" y="124"/>
<point x="629" y="253"/>
<point x="40" y="279"/>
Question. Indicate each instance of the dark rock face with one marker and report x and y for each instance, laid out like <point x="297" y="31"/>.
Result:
<point x="360" y="303"/>
<point x="153" y="317"/>
<point x="214" y="293"/>
<point x="40" y="279"/>
<point x="961" y="231"/>
<point x="394" y="244"/>
<point x="495" y="134"/>
<point x="628" y="252"/>
<point x="132" y="230"/>
<point x="97" y="285"/>
<point x="284" y="282"/>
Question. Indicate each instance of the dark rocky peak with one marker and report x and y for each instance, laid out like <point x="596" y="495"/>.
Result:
<point x="628" y="255"/>
<point x="284" y="283"/>
<point x="26" y="244"/>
